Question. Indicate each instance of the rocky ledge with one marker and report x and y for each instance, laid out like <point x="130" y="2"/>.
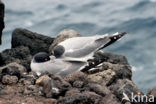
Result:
<point x="1" y="19"/>
<point x="106" y="83"/>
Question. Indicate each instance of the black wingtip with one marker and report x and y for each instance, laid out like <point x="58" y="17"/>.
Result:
<point x="114" y="38"/>
<point x="122" y="33"/>
<point x="117" y="36"/>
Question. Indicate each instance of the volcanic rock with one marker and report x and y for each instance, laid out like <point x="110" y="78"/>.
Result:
<point x="19" y="55"/>
<point x="53" y="85"/>
<point x="14" y="69"/>
<point x="76" y="76"/>
<point x="1" y="19"/>
<point x="7" y="79"/>
<point x="152" y="92"/>
<point x="34" y="41"/>
<point x="124" y="86"/>
<point x="81" y="98"/>
<point x="72" y="91"/>
<point x="104" y="77"/>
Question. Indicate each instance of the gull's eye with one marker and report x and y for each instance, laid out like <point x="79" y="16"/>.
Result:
<point x="46" y="59"/>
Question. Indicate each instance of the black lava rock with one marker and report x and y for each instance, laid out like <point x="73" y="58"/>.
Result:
<point x="34" y="41"/>
<point x="1" y="19"/>
<point x="20" y="55"/>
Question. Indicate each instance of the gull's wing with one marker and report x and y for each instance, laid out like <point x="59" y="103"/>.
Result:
<point x="83" y="48"/>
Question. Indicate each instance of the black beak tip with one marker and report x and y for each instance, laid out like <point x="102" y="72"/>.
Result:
<point x="123" y="33"/>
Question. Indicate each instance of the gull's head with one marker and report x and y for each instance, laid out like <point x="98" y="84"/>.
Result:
<point x="41" y="57"/>
<point x="58" y="50"/>
<point x="41" y="61"/>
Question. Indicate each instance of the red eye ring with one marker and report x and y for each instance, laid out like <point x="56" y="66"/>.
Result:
<point x="46" y="59"/>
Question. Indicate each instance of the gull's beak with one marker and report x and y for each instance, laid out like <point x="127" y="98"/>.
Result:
<point x="113" y="38"/>
<point x="117" y="36"/>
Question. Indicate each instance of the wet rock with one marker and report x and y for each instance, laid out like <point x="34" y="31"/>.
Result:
<point x="1" y="19"/>
<point x="63" y="35"/>
<point x="34" y="41"/>
<point x="20" y="55"/>
<point x="81" y="98"/>
<point x="7" y="79"/>
<point x="13" y="69"/>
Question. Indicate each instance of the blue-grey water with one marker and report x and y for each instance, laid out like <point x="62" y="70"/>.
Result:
<point x="89" y="17"/>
